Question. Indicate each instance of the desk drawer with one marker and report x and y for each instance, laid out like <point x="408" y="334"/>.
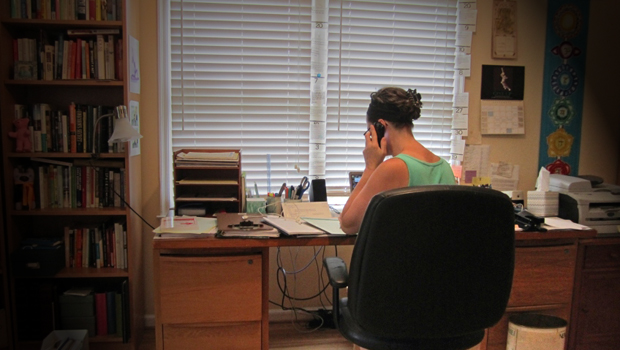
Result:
<point x="543" y="275"/>
<point x="203" y="289"/>
<point x="235" y="336"/>
<point x="600" y="256"/>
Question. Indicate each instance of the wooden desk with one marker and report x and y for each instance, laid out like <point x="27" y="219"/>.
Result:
<point x="215" y="291"/>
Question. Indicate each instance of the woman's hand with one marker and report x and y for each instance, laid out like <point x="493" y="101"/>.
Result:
<point x="373" y="154"/>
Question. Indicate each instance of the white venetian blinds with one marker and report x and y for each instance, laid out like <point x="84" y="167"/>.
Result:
<point x="240" y="78"/>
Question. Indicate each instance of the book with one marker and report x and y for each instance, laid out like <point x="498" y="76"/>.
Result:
<point x="72" y="128"/>
<point x="125" y="311"/>
<point x="79" y="129"/>
<point x="118" y="245"/>
<point x="111" y="311"/>
<point x="100" y="57"/>
<point x="46" y="127"/>
<point x="119" y="314"/>
<point x="65" y="133"/>
<point x="48" y="63"/>
<point x="79" y="291"/>
<point x="36" y="114"/>
<point x="101" y="313"/>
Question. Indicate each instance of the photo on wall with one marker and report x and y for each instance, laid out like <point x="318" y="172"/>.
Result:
<point x="502" y="82"/>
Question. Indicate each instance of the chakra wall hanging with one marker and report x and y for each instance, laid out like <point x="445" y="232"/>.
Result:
<point x="563" y="82"/>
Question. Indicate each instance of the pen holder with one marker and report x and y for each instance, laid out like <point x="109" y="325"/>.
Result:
<point x="274" y="205"/>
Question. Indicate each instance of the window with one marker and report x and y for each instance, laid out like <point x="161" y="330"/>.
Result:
<point x="239" y="77"/>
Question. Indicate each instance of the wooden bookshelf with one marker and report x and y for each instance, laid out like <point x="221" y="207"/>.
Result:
<point x="28" y="325"/>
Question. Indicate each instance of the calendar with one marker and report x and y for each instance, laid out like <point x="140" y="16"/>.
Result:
<point x="502" y="117"/>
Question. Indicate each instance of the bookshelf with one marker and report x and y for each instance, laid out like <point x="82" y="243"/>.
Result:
<point x="57" y="190"/>
<point x="207" y="184"/>
<point x="4" y="297"/>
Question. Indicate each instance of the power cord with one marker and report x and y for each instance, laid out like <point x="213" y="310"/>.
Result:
<point x="122" y="198"/>
<point x="321" y="317"/>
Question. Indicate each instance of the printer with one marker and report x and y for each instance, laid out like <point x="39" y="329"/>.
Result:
<point x="588" y="201"/>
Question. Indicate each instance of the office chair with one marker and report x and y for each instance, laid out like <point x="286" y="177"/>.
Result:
<point x="431" y="268"/>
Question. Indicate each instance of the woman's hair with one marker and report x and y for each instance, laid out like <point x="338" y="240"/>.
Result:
<point x="395" y="105"/>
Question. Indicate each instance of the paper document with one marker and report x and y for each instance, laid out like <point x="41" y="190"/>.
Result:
<point x="291" y="227"/>
<point x="296" y="210"/>
<point x="331" y="225"/>
<point x="555" y="223"/>
<point x="186" y="225"/>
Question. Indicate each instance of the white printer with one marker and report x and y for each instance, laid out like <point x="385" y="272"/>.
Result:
<point x="588" y="202"/>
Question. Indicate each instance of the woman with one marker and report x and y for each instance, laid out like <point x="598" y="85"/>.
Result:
<point x="394" y="110"/>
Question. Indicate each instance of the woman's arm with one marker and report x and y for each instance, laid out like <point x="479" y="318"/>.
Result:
<point x="392" y="173"/>
<point x="378" y="176"/>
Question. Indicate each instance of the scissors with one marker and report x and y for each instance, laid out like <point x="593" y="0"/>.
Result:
<point x="303" y="186"/>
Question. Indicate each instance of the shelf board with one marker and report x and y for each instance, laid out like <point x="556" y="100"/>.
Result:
<point x="74" y="82"/>
<point x="84" y="272"/>
<point x="70" y="212"/>
<point x="57" y="23"/>
<point x="63" y="155"/>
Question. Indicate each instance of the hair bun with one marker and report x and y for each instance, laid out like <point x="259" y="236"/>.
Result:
<point x="416" y="97"/>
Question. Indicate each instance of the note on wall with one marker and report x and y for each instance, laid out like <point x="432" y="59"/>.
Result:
<point x="504" y="176"/>
<point x="475" y="162"/>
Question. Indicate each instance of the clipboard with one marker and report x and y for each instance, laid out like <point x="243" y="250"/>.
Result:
<point x="243" y="225"/>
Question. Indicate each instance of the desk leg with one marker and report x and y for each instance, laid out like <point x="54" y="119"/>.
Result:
<point x="265" y="292"/>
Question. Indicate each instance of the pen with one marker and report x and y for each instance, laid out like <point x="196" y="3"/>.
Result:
<point x="282" y="188"/>
<point x="256" y="189"/>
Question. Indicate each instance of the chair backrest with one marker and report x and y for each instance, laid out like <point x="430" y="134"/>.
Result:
<point x="432" y="262"/>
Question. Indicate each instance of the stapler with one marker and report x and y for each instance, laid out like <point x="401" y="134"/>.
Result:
<point x="528" y="221"/>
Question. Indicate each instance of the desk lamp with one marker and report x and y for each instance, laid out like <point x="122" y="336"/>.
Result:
<point x="123" y="130"/>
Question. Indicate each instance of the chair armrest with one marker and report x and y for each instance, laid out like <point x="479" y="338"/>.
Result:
<point x="336" y="271"/>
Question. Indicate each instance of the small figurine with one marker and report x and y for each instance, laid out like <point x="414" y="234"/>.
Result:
<point x="21" y="135"/>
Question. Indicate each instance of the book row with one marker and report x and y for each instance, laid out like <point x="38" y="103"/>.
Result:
<point x="98" y="57"/>
<point x="51" y="186"/>
<point x="93" y="10"/>
<point x="99" y="246"/>
<point x="101" y="309"/>
<point x="71" y="130"/>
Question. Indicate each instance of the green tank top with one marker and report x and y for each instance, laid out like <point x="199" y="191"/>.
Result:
<point x="424" y="173"/>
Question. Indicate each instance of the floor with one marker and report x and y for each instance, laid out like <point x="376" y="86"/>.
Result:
<point x="284" y="336"/>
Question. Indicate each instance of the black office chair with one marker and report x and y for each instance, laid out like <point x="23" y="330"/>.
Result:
<point x="431" y="268"/>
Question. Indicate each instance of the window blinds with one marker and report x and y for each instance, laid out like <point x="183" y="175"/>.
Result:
<point x="239" y="78"/>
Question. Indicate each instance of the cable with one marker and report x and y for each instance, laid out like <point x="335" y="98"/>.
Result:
<point x="321" y="317"/>
<point x="92" y="164"/>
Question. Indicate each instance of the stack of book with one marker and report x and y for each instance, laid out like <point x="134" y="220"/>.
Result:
<point x="71" y="130"/>
<point x="99" y="246"/>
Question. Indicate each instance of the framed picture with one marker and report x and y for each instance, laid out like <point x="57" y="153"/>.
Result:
<point x="502" y="82"/>
<point x="504" y="29"/>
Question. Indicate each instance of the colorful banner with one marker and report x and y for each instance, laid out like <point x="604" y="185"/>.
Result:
<point x="563" y="82"/>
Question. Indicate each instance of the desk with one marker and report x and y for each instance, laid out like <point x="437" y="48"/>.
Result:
<point x="215" y="291"/>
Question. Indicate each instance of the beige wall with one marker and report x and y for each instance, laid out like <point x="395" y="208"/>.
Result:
<point x="600" y="145"/>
